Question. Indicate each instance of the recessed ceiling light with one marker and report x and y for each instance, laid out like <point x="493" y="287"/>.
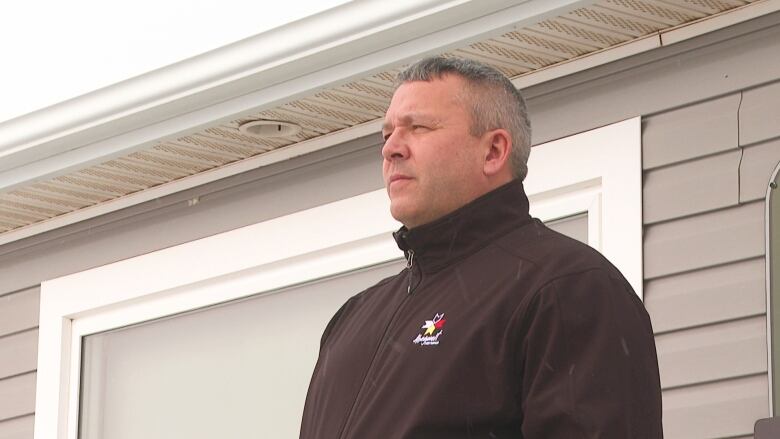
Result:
<point x="269" y="128"/>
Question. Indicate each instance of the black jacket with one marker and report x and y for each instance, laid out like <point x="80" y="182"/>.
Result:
<point x="498" y="328"/>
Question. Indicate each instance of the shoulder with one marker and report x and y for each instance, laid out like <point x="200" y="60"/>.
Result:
<point x="554" y="255"/>
<point x="565" y="272"/>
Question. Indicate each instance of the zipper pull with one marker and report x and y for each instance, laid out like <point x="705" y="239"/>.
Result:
<point x="409" y="263"/>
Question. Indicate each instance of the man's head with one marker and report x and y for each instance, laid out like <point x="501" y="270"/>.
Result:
<point x="455" y="130"/>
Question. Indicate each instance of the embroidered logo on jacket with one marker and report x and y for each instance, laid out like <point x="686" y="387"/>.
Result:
<point x="433" y="329"/>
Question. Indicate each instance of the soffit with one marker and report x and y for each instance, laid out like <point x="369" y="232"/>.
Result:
<point x="579" y="33"/>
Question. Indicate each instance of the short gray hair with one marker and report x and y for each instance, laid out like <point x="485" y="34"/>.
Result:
<point x="495" y="102"/>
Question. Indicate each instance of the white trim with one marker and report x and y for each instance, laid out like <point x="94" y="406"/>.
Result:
<point x="257" y="73"/>
<point x="585" y="198"/>
<point x="263" y="258"/>
<point x="609" y="158"/>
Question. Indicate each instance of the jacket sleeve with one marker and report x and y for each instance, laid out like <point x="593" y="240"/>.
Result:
<point x="588" y="361"/>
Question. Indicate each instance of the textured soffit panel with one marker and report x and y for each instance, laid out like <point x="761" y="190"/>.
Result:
<point x="582" y="31"/>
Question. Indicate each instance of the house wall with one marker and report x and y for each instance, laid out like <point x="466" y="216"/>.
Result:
<point x="711" y="138"/>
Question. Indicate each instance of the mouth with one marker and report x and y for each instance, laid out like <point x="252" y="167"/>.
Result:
<point x="397" y="177"/>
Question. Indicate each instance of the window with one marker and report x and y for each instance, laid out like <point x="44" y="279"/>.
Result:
<point x="186" y="304"/>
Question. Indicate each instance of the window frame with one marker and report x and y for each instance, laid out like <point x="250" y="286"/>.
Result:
<point x="598" y="172"/>
<point x="773" y="363"/>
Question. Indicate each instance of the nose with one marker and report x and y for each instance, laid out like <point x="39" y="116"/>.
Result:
<point x="395" y="147"/>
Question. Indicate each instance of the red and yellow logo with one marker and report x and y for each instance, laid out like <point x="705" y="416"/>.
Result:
<point x="433" y="329"/>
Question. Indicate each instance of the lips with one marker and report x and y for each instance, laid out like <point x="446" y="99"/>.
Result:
<point x="397" y="177"/>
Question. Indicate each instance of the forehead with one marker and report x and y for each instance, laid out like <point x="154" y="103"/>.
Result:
<point x="439" y="97"/>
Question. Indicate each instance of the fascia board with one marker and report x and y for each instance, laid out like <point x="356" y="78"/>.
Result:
<point x="647" y="43"/>
<point x="248" y="76"/>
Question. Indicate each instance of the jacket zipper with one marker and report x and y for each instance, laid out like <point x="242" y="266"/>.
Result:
<point x="382" y="342"/>
<point x="409" y="263"/>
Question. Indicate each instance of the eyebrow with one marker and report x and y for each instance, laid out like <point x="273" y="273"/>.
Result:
<point x="408" y="118"/>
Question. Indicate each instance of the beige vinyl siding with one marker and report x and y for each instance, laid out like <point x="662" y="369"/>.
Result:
<point x="758" y="161"/>
<point x="19" y="353"/>
<point x="19" y="311"/>
<point x="759" y="116"/>
<point x="712" y="352"/>
<point x="717" y="294"/>
<point x="18" y="362"/>
<point x="704" y="240"/>
<point x="18" y="428"/>
<point x="715" y="410"/>
<point x="691" y="187"/>
<point x="704" y="259"/>
<point x="17" y="397"/>
<point x="670" y="133"/>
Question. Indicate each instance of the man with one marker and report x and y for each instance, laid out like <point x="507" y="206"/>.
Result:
<point x="498" y="327"/>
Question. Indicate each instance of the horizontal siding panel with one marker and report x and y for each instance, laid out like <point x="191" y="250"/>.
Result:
<point x="717" y="294"/>
<point x="721" y="409"/>
<point x="706" y="240"/>
<point x="19" y="311"/>
<point x="691" y="187"/>
<point x="759" y="114"/>
<point x="18" y="428"/>
<point x="17" y="396"/>
<point x="758" y="163"/>
<point x="710" y="353"/>
<point x="19" y="353"/>
<point x="690" y="132"/>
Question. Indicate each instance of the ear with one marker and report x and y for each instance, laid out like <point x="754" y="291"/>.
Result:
<point x="498" y="148"/>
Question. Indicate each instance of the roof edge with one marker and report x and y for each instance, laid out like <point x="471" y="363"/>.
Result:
<point x="259" y="62"/>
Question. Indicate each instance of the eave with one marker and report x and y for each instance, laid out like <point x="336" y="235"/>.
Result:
<point x="176" y="127"/>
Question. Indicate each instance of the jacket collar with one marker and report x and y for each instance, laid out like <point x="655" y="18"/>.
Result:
<point x="467" y="229"/>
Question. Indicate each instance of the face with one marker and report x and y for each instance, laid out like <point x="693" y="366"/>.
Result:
<point x="432" y="164"/>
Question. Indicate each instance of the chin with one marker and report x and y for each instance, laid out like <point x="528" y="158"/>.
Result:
<point x="400" y="214"/>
